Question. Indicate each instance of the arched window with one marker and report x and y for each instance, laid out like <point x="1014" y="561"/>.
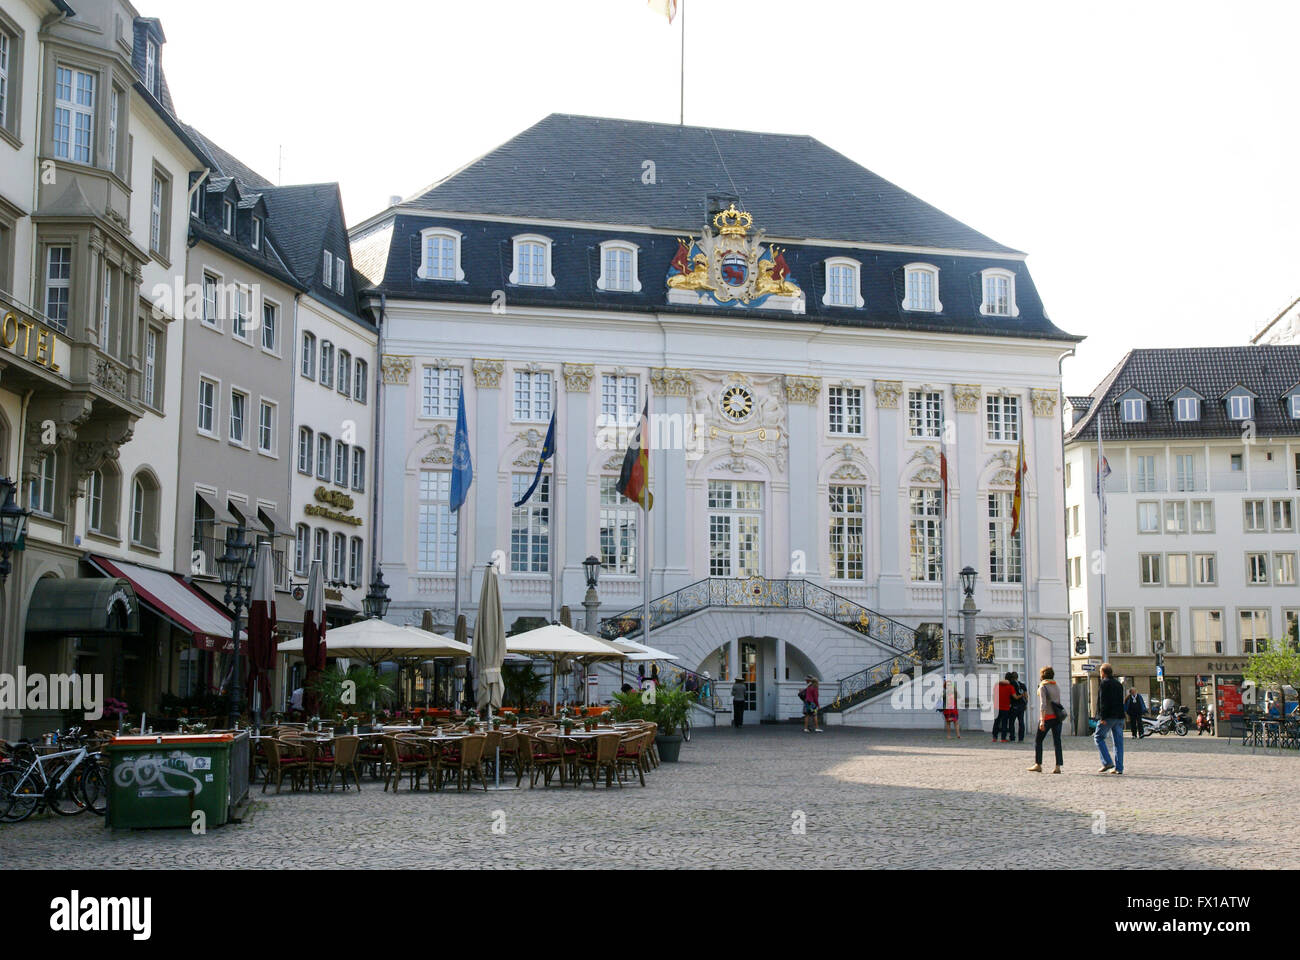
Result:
<point x="324" y="447"/>
<point x="339" y="558"/>
<point x="921" y="288"/>
<point x="41" y="493"/>
<point x="345" y="373"/>
<point x="440" y="255"/>
<point x="532" y="261"/>
<point x="326" y="364"/>
<point x="301" y="549"/>
<point x="102" y="494"/>
<point x="306" y="441"/>
<point x="843" y="283"/>
<point x="144" y="511"/>
<point x="618" y="267"/>
<point x="309" y="356"/>
<point x="999" y="293"/>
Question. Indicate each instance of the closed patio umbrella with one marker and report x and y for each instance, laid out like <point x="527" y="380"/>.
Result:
<point x="261" y="630"/>
<point x="490" y="643"/>
<point x="312" y="642"/>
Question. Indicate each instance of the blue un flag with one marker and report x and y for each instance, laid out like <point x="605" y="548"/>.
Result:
<point x="462" y="465"/>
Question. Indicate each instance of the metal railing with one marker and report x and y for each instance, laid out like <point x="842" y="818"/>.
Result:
<point x="879" y="677"/>
<point x="759" y="592"/>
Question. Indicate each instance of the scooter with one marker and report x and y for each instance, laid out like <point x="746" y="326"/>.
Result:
<point x="1170" y="719"/>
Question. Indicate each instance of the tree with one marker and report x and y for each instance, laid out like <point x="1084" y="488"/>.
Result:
<point x="1276" y="669"/>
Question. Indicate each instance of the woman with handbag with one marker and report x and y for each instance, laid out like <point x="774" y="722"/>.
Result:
<point x="1053" y="714"/>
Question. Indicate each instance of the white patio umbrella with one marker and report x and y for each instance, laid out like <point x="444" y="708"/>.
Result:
<point x="556" y="642"/>
<point x="376" y="641"/>
<point x="490" y="643"/>
<point x="642" y="653"/>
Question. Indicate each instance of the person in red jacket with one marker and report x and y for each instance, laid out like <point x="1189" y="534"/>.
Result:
<point x="1002" y="726"/>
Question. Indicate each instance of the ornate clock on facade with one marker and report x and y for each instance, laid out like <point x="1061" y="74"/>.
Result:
<point x="737" y="403"/>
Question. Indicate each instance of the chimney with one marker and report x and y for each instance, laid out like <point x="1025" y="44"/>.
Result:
<point x="718" y="202"/>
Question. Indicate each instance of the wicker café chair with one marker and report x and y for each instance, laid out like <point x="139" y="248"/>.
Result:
<point x="632" y="753"/>
<point x="547" y="758"/>
<point x="407" y="755"/>
<point x="602" y="754"/>
<point x="281" y="759"/>
<point x="467" y="755"/>
<point x="343" y="761"/>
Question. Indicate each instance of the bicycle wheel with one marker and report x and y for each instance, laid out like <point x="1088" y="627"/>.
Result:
<point x="63" y="797"/>
<point x="686" y="730"/>
<point x="18" y="801"/>
<point x="92" y="786"/>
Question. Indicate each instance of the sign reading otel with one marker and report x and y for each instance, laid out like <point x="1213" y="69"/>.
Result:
<point x="16" y="337"/>
<point x="336" y="499"/>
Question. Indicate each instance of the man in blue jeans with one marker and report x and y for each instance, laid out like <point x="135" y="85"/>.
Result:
<point x="1110" y="720"/>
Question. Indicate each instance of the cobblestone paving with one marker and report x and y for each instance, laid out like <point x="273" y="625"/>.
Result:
<point x="871" y="798"/>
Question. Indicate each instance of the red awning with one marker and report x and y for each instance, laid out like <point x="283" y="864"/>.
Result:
<point x="177" y="601"/>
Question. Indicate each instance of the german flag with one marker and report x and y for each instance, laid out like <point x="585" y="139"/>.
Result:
<point x="634" y="481"/>
<point x="1018" y="499"/>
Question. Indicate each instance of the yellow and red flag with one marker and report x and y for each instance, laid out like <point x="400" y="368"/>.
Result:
<point x="634" y="480"/>
<point x="1017" y="503"/>
<point x="665" y="8"/>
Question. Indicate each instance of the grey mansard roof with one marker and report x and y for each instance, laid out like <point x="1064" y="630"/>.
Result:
<point x="590" y="169"/>
<point x="1268" y="371"/>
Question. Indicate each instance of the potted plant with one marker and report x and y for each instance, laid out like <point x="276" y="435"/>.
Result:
<point x="566" y="722"/>
<point x="471" y="721"/>
<point x="669" y="711"/>
<point x="496" y="723"/>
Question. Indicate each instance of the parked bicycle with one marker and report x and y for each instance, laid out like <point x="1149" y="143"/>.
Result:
<point x="68" y="782"/>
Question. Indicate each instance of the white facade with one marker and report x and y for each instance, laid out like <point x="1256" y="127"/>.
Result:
<point x="784" y="451"/>
<point x="342" y="414"/>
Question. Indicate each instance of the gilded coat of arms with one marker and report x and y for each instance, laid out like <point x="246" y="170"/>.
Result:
<point x="732" y="268"/>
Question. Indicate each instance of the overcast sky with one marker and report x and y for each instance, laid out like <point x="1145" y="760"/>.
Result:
<point x="1143" y="153"/>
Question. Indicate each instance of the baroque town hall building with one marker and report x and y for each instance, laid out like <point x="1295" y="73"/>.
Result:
<point x="810" y="338"/>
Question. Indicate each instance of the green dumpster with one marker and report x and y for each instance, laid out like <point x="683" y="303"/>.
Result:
<point x="160" y="780"/>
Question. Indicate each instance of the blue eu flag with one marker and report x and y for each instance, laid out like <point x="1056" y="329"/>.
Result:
<point x="462" y="465"/>
<point x="548" y="451"/>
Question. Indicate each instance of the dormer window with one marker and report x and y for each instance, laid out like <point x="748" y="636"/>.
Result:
<point x="1187" y="409"/>
<point x="1295" y="406"/>
<point x="227" y="218"/>
<point x="151" y="66"/>
<point x="327" y="270"/>
<point x="618" y="267"/>
<point x="532" y="261"/>
<point x="843" y="283"/>
<point x="440" y="255"/>
<point x="999" y="293"/>
<point x="340" y="276"/>
<point x="921" y="288"/>
<point x="1134" y="410"/>
<point x="257" y="233"/>
<point x="1240" y="407"/>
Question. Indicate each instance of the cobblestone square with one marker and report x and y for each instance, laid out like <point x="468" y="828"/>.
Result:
<point x="865" y="798"/>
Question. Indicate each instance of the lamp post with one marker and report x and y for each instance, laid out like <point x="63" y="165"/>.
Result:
<point x="235" y="568"/>
<point x="13" y="522"/>
<point x="375" y="604"/>
<point x="591" y="602"/>
<point x="968" y="612"/>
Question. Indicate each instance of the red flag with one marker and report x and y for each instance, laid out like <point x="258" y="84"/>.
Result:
<point x="943" y="479"/>
<point x="1017" y="503"/>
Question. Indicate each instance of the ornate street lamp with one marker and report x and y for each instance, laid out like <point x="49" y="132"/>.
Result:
<point x="235" y="567"/>
<point x="592" y="567"/>
<point x="13" y="522"/>
<point x="591" y="602"/>
<point x="375" y="604"/>
<point x="968" y="581"/>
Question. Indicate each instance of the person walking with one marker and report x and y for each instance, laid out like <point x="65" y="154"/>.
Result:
<point x="1110" y="720"/>
<point x="1135" y="709"/>
<point x="1019" y="704"/>
<point x="950" y="718"/>
<point x="1049" y="699"/>
<point x="811" y="704"/>
<point x="739" y="694"/>
<point x="1002" y="723"/>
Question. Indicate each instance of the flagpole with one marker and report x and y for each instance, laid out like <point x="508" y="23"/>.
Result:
<point x="1024" y="590"/>
<point x="645" y="530"/>
<point x="682" y="80"/>
<point x="1101" y="525"/>
<point x="456" y="617"/>
<point x="943" y="562"/>
<point x="555" y="509"/>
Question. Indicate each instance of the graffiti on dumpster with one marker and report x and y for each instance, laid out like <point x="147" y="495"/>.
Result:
<point x="159" y="775"/>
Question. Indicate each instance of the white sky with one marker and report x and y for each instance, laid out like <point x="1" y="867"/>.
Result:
<point x="1142" y="153"/>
